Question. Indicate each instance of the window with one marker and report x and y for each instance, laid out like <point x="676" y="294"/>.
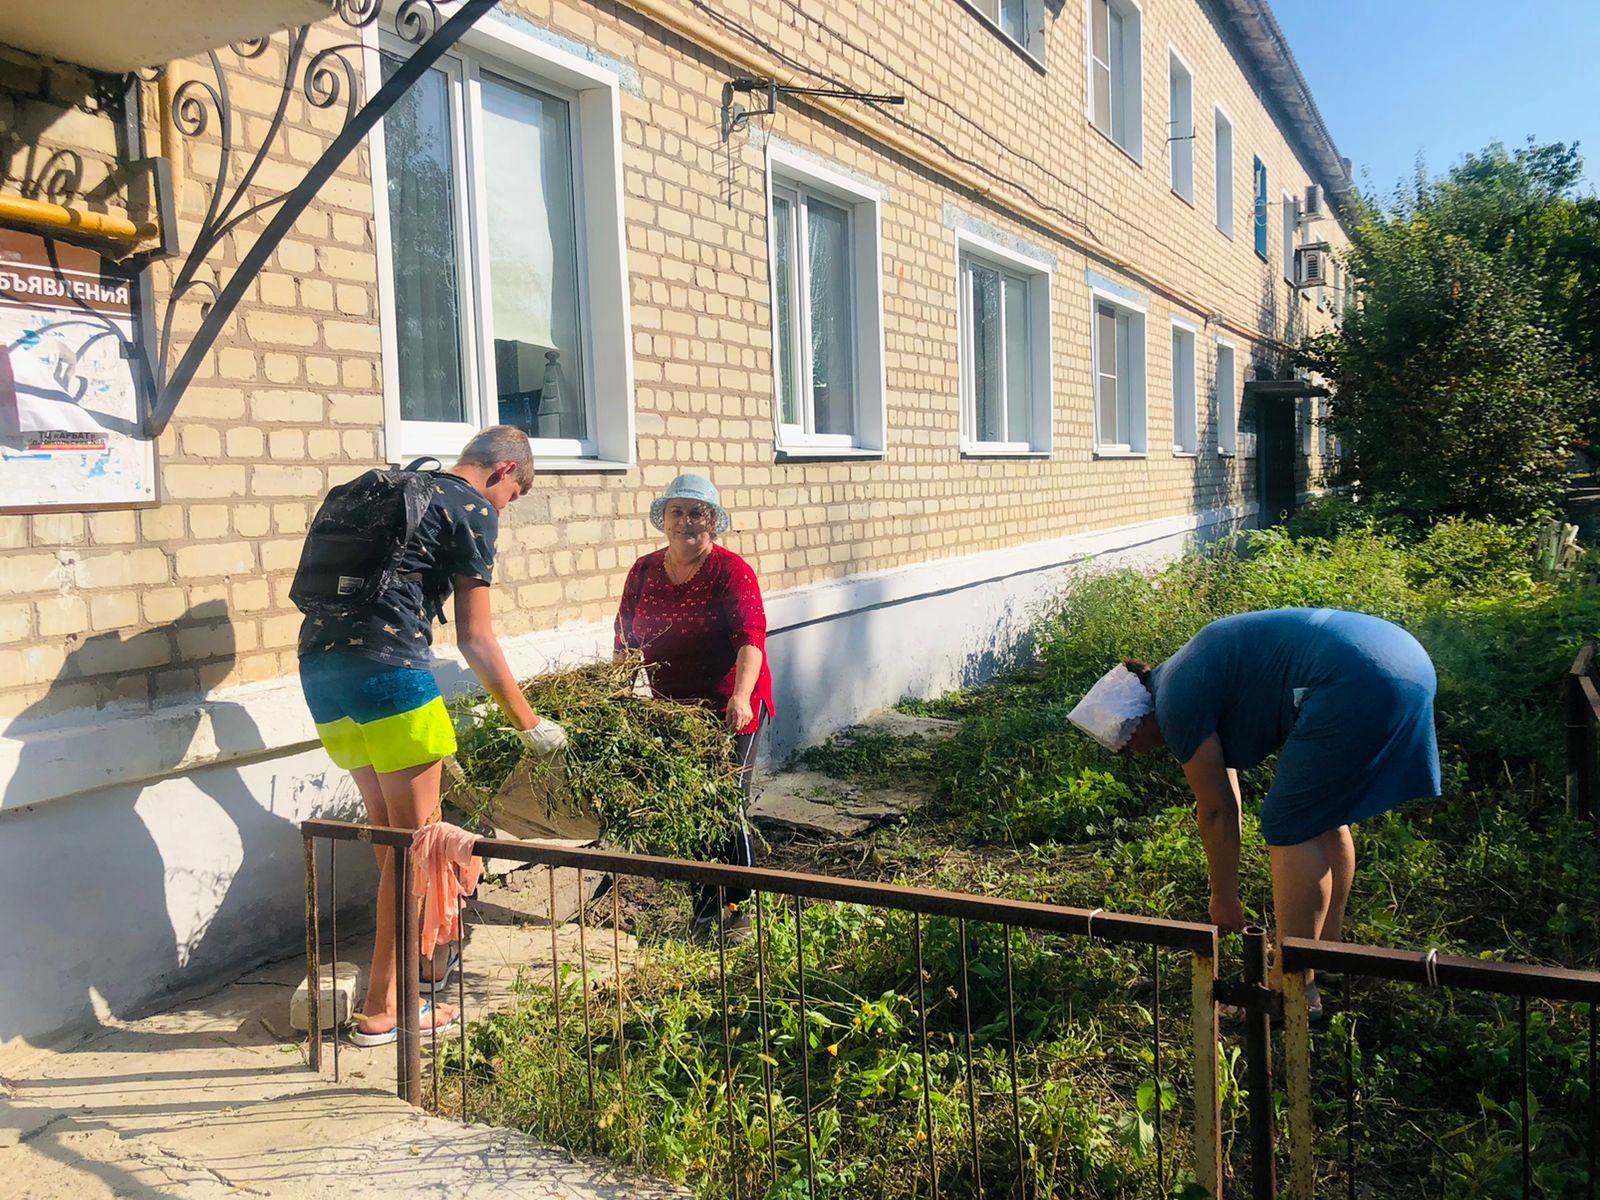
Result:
<point x="827" y="308"/>
<point x="1180" y="131"/>
<point x="1227" y="407"/>
<point x="1260" y="185"/>
<point x="1116" y="104"/>
<point x="502" y="292"/>
<point x="1338" y="289"/>
<point x="1020" y="20"/>
<point x="1004" y="308"/>
<point x="1119" y="377"/>
<point x="1224" y="169"/>
<point x="1290" y="211"/>
<point x="1307" y="424"/>
<point x="1185" y="431"/>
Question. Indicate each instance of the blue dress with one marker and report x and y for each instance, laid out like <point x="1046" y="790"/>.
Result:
<point x="1347" y="698"/>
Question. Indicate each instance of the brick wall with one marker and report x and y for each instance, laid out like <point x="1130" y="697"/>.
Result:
<point x="169" y="602"/>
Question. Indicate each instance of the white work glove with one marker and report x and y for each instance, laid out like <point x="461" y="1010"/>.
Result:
<point x="546" y="739"/>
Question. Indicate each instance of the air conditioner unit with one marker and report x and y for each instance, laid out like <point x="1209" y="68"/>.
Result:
<point x="1314" y="207"/>
<point x="1313" y="267"/>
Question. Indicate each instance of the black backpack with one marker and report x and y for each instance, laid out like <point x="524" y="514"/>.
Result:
<point x="356" y="542"/>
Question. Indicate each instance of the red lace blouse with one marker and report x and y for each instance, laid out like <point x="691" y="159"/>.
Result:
<point x="690" y="633"/>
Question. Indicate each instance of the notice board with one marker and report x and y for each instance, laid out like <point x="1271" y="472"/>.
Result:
<point x="70" y="405"/>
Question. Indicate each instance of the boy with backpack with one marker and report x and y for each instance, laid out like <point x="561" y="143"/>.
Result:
<point x="383" y="554"/>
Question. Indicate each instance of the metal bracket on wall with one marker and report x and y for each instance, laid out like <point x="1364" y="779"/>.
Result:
<point x="736" y="116"/>
<point x="327" y="79"/>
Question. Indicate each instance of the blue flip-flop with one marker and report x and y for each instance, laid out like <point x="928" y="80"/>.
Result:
<point x="387" y="1037"/>
<point x="451" y="966"/>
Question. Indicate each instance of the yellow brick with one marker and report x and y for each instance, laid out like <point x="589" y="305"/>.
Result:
<point x="217" y="640"/>
<point x="208" y="521"/>
<point x="322" y="444"/>
<point x="163" y="605"/>
<point x="217" y="558"/>
<point x="13" y="532"/>
<point x="200" y="441"/>
<point x="104" y="656"/>
<point x="280" y="368"/>
<point x="286" y="444"/>
<point x="113" y="528"/>
<point x="281" y="631"/>
<point x="213" y="403"/>
<point x="245" y="442"/>
<point x="61" y="615"/>
<point x="359" y="444"/>
<point x="236" y="363"/>
<point x="16" y="622"/>
<point x="122" y="568"/>
<point x="357" y="410"/>
<point x="290" y="518"/>
<point x="58" y="529"/>
<point x="350" y="335"/>
<point x="285" y="481"/>
<point x="281" y="554"/>
<point x="281" y="329"/>
<point x="186" y="481"/>
<point x="252" y="520"/>
<point x="23" y="573"/>
<point x="117" y="610"/>
<point x="316" y="294"/>
<point x="297" y="407"/>
<point x="277" y="290"/>
<point x="296" y="257"/>
<point x="162" y="524"/>
<point x="323" y="372"/>
<point x="354" y="301"/>
<point x="252" y="596"/>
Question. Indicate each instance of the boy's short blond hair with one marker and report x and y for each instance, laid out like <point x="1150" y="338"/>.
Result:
<point x="500" y="444"/>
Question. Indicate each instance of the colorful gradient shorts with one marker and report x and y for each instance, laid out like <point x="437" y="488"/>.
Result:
<point x="371" y="714"/>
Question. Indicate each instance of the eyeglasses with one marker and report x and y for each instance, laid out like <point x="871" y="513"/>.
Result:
<point x="695" y="515"/>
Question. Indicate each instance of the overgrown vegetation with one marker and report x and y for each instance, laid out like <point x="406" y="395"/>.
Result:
<point x="660" y="775"/>
<point x="1464" y="376"/>
<point x="1028" y="809"/>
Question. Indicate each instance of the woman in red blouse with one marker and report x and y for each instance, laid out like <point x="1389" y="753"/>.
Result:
<point x="694" y="611"/>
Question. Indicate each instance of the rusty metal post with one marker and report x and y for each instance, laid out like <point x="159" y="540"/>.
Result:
<point x="1258" y="1064"/>
<point x="1580" y="737"/>
<point x="1207" y="1089"/>
<point x="408" y="1000"/>
<point x="313" y="966"/>
<point x="1297" y="1069"/>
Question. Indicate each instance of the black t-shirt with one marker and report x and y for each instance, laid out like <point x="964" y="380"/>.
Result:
<point x="456" y="537"/>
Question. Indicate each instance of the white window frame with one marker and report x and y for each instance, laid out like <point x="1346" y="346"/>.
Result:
<point x="1223" y="171"/>
<point x="1032" y="43"/>
<point x="788" y="169"/>
<point x="1126" y="77"/>
<point x="1180" y="141"/>
<point x="1037" y="274"/>
<point x="1307" y="424"/>
<point x="593" y="94"/>
<point x="1135" y="371"/>
<point x="1184" y="328"/>
<point x="1227" y="403"/>
<point x="1290" y="211"/>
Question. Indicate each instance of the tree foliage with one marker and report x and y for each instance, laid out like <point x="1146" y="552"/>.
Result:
<point x="1464" y="377"/>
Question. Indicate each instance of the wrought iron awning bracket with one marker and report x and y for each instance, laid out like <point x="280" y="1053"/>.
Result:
<point x="325" y="79"/>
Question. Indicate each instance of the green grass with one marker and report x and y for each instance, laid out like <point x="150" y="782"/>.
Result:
<point x="1024" y="807"/>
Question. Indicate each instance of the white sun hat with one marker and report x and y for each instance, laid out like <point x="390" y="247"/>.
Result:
<point x="1111" y="710"/>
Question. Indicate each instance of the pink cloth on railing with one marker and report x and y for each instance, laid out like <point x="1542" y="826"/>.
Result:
<point x="444" y="869"/>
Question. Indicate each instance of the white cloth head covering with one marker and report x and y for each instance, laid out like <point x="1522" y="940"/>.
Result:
<point x="1111" y="710"/>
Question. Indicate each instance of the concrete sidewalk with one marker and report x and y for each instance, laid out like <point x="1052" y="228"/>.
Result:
<point x="213" y="1097"/>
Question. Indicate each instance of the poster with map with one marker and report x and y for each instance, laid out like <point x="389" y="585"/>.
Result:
<point x="70" y="430"/>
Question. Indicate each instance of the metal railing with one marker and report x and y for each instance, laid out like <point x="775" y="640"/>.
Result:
<point x="1434" y="971"/>
<point x="793" y="890"/>
<point x="790" y="893"/>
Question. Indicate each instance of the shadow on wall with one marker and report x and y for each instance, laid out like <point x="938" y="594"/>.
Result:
<point x="129" y="891"/>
